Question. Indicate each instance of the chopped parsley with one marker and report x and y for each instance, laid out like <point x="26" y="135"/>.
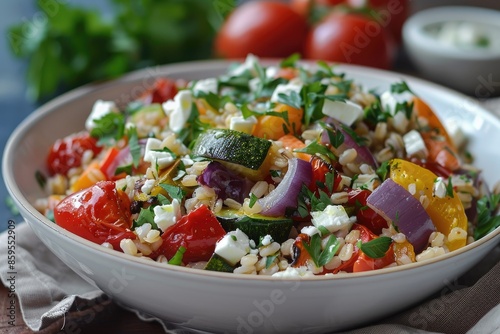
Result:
<point x="487" y="220"/>
<point x="109" y="128"/>
<point x="313" y="102"/>
<point x="321" y="257"/>
<point x="146" y="216"/>
<point x="314" y="148"/>
<point x="374" y="113"/>
<point x="383" y="170"/>
<point x="401" y="87"/>
<point x="292" y="99"/>
<point x="40" y="179"/>
<point x="247" y="112"/>
<point x="133" y="143"/>
<point x="336" y="137"/>
<point x="375" y="248"/>
<point x="290" y="61"/>
<point x="253" y="200"/>
<point x="174" y="192"/>
<point x="449" y="188"/>
<point x="176" y="260"/>
<point x="308" y="201"/>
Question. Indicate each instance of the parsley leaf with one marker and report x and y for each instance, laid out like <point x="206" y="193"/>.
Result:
<point x="290" y="61"/>
<point x="321" y="257"/>
<point x="449" y="188"/>
<point x="374" y="113"/>
<point x="109" y="128"/>
<point x="361" y="141"/>
<point x="375" y="248"/>
<point x="487" y="207"/>
<point x="174" y="192"/>
<point x="270" y="260"/>
<point x="292" y="99"/>
<point x="214" y="100"/>
<point x="253" y="200"/>
<point x="176" y="260"/>
<point x="135" y="148"/>
<point x="336" y="137"/>
<point x="146" y="216"/>
<point x="41" y="179"/>
<point x="314" y="148"/>
<point x="247" y="112"/>
<point x="383" y="170"/>
<point x="401" y="87"/>
<point x="313" y="102"/>
<point x="194" y="126"/>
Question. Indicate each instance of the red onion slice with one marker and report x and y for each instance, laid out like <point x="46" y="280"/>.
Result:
<point x="396" y="204"/>
<point x="285" y="195"/>
<point x="121" y="159"/>
<point x="363" y="153"/>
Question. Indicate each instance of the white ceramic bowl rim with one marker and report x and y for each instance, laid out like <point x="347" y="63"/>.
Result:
<point x="414" y="30"/>
<point x="29" y="123"/>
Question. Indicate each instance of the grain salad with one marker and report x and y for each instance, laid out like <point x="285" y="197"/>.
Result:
<point x="287" y="170"/>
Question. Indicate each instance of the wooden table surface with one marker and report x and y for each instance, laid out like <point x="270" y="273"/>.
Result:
<point x="113" y="320"/>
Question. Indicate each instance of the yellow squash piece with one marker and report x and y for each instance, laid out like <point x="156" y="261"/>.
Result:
<point x="446" y="213"/>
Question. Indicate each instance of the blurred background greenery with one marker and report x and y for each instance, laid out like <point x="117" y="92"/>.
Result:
<point x="67" y="45"/>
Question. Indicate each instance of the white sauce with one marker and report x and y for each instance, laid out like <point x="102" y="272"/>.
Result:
<point x="466" y="35"/>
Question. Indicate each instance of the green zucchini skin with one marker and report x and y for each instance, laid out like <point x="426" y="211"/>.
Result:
<point x="217" y="263"/>
<point x="256" y="226"/>
<point x="232" y="146"/>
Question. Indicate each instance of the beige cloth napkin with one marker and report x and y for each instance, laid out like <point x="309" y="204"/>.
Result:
<point x="51" y="296"/>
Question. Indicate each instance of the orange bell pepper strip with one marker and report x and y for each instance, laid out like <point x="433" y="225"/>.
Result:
<point x="437" y="140"/>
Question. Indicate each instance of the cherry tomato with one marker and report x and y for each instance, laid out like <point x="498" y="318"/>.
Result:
<point x="304" y="7"/>
<point x="365" y="235"/>
<point x="320" y="168"/>
<point x="262" y="28"/>
<point x="391" y="14"/>
<point x="197" y="231"/>
<point x="350" y="38"/>
<point x="67" y="153"/>
<point x="163" y="90"/>
<point x="365" y="215"/>
<point x="100" y="214"/>
<point x="301" y="256"/>
<point x="366" y="263"/>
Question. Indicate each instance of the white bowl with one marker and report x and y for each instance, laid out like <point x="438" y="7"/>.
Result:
<point x="474" y="71"/>
<point x="221" y="302"/>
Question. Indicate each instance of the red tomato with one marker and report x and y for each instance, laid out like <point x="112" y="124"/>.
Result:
<point x="304" y="7"/>
<point x="320" y="168"/>
<point x="390" y="14"/>
<point x="366" y="263"/>
<point x="100" y="214"/>
<point x="365" y="235"/>
<point x="197" y="231"/>
<point x="163" y="90"/>
<point x="262" y="28"/>
<point x="366" y="216"/>
<point x="66" y="153"/>
<point x="350" y="38"/>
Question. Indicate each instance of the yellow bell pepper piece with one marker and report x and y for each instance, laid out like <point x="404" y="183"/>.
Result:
<point x="446" y="213"/>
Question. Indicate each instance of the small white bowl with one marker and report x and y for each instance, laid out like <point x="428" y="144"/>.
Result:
<point x="475" y="70"/>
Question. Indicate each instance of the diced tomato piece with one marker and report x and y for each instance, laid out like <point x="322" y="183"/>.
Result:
<point x="197" y="231"/>
<point x="100" y="214"/>
<point x="163" y="90"/>
<point x="67" y="153"/>
<point x="365" y="215"/>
